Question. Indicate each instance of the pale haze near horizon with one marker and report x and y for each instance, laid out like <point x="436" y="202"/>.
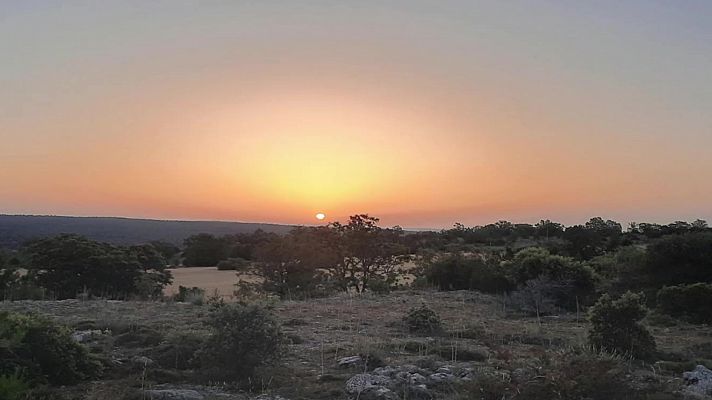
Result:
<point x="421" y="113"/>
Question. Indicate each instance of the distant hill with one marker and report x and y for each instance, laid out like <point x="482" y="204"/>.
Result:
<point x="16" y="229"/>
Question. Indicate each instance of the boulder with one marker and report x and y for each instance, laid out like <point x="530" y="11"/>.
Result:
<point x="359" y="383"/>
<point x="699" y="381"/>
<point x="351" y="362"/>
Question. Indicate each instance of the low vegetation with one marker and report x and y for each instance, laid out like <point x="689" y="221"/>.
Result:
<point x="505" y="311"/>
<point x="616" y="327"/>
<point x="35" y="350"/>
<point x="242" y="338"/>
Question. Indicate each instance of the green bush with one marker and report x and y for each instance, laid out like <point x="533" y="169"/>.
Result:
<point x="456" y="272"/>
<point x="422" y="320"/>
<point x="581" y="376"/>
<point x="380" y="286"/>
<point x="572" y="375"/>
<point x="243" y="337"/>
<point x="193" y="295"/>
<point x="616" y="326"/>
<point x="680" y="259"/>
<point x="233" y="264"/>
<point x="179" y="350"/>
<point x="574" y="280"/>
<point x="13" y="387"/>
<point x="42" y="351"/>
<point x="690" y="301"/>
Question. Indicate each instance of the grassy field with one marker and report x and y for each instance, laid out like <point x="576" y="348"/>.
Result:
<point x="478" y="332"/>
<point x="209" y="279"/>
<point x="223" y="283"/>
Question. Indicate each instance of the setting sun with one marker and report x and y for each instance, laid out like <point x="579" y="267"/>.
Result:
<point x="320" y="216"/>
<point x="268" y="111"/>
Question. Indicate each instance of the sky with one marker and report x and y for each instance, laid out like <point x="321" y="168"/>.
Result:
<point x="423" y="113"/>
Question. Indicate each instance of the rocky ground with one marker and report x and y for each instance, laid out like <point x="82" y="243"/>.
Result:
<point x="349" y="346"/>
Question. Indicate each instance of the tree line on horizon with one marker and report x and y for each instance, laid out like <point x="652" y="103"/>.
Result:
<point x="571" y="264"/>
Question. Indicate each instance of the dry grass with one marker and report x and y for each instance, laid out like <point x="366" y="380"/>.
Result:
<point x="208" y="278"/>
<point x="320" y="331"/>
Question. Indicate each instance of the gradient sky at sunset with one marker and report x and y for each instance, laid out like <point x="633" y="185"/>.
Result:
<point x="424" y="113"/>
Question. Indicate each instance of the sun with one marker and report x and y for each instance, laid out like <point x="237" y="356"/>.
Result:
<point x="320" y="216"/>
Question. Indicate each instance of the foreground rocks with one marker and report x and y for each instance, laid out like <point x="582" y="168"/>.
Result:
<point x="699" y="382"/>
<point x="409" y="381"/>
<point x="166" y="392"/>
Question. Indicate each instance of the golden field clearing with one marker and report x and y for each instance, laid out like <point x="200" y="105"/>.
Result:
<point x="207" y="278"/>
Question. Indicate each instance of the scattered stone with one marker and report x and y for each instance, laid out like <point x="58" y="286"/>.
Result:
<point x="359" y="383"/>
<point x="439" y="378"/>
<point x="447" y="369"/>
<point x="394" y="382"/>
<point x="699" y="381"/>
<point x="174" y="394"/>
<point x="85" y="335"/>
<point x="351" y="362"/>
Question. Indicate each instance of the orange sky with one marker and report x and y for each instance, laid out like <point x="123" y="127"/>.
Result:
<point x="423" y="116"/>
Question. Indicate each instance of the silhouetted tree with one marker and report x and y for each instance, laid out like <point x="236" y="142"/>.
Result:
<point x="294" y="264"/>
<point x="69" y="264"/>
<point x="9" y="274"/>
<point x="548" y="229"/>
<point x="368" y="252"/>
<point x="680" y="259"/>
<point x="204" y="250"/>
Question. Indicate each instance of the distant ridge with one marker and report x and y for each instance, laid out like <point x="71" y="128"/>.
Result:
<point x="16" y="229"/>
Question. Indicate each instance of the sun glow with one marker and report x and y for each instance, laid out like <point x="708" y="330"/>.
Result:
<point x="320" y="216"/>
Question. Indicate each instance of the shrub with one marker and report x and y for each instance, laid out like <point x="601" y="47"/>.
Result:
<point x="139" y="336"/>
<point x="581" y="376"/>
<point x="233" y="264"/>
<point x="243" y="337"/>
<point x="537" y="296"/>
<point x="616" y="326"/>
<point x="42" y="351"/>
<point x="680" y="259"/>
<point x="379" y="286"/>
<point x="13" y="387"/>
<point x="575" y="280"/>
<point x="456" y="272"/>
<point x="179" y="350"/>
<point x="193" y="295"/>
<point x="570" y="375"/>
<point x="422" y="320"/>
<point x="690" y="301"/>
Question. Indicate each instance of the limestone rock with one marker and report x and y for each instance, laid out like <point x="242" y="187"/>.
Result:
<point x="351" y="362"/>
<point x="699" y="382"/>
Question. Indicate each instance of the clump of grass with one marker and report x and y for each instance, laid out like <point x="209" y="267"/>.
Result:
<point x="422" y="320"/>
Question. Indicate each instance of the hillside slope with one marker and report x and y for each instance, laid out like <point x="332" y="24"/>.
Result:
<point x="16" y="229"/>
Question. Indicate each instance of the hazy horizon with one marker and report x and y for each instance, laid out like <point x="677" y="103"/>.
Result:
<point x="344" y="219"/>
<point x="421" y="113"/>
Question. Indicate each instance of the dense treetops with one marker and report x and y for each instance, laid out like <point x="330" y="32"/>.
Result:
<point x="67" y="266"/>
<point x="500" y="257"/>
